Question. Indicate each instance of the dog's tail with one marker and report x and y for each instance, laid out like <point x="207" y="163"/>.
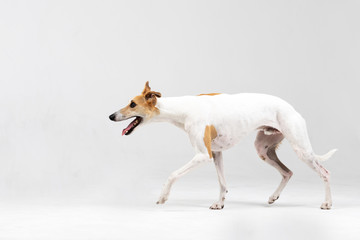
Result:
<point x="326" y="156"/>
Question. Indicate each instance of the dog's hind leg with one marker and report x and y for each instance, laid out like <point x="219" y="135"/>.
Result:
<point x="295" y="132"/>
<point x="218" y="160"/>
<point x="266" y="145"/>
<point x="313" y="162"/>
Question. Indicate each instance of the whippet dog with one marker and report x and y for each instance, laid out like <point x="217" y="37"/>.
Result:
<point x="216" y="122"/>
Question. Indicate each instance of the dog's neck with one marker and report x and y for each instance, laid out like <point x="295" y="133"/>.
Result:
<point x="171" y="110"/>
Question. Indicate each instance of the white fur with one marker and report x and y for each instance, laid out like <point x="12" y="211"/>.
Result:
<point x="234" y="117"/>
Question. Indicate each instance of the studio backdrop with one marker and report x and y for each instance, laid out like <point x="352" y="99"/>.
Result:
<point x="65" y="66"/>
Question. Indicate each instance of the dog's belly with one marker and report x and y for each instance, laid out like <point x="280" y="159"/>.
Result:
<point x="224" y="141"/>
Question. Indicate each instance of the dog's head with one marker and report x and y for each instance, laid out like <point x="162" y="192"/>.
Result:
<point x="141" y="107"/>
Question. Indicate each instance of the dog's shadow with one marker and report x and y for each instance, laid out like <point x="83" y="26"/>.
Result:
<point x="199" y="205"/>
<point x="264" y="204"/>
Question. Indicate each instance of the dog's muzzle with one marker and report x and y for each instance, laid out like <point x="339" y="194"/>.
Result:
<point x="112" y="117"/>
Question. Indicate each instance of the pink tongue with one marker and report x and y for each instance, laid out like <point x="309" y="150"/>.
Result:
<point x="127" y="128"/>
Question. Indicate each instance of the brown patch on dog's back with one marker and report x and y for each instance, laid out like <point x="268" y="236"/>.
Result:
<point x="209" y="135"/>
<point x="209" y="94"/>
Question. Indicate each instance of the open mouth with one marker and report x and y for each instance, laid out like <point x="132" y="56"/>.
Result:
<point x="132" y="126"/>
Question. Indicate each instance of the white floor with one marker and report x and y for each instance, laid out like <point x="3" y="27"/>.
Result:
<point x="296" y="215"/>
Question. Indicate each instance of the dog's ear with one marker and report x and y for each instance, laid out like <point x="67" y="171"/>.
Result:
<point x="146" y="89"/>
<point x="151" y="97"/>
<point x="152" y="94"/>
<point x="148" y="94"/>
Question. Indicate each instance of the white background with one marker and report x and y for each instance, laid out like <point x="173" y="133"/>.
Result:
<point x="65" y="66"/>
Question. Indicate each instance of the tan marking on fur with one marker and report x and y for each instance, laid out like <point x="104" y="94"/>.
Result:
<point x="147" y="93"/>
<point x="209" y="94"/>
<point x="143" y="108"/>
<point x="145" y="104"/>
<point x="262" y="157"/>
<point x="209" y="135"/>
<point x="146" y="88"/>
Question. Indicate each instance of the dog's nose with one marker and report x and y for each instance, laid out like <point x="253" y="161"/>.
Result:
<point x="112" y="117"/>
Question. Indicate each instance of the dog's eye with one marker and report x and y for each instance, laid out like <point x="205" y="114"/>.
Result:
<point x="132" y="104"/>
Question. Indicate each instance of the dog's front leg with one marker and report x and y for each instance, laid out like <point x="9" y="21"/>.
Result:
<point x="196" y="161"/>
<point x="218" y="160"/>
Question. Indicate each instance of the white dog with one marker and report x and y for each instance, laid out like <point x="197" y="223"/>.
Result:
<point x="216" y="122"/>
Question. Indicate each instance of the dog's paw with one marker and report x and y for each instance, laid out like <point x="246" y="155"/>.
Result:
<point x="326" y="206"/>
<point x="162" y="200"/>
<point x="272" y="199"/>
<point x="217" y="206"/>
